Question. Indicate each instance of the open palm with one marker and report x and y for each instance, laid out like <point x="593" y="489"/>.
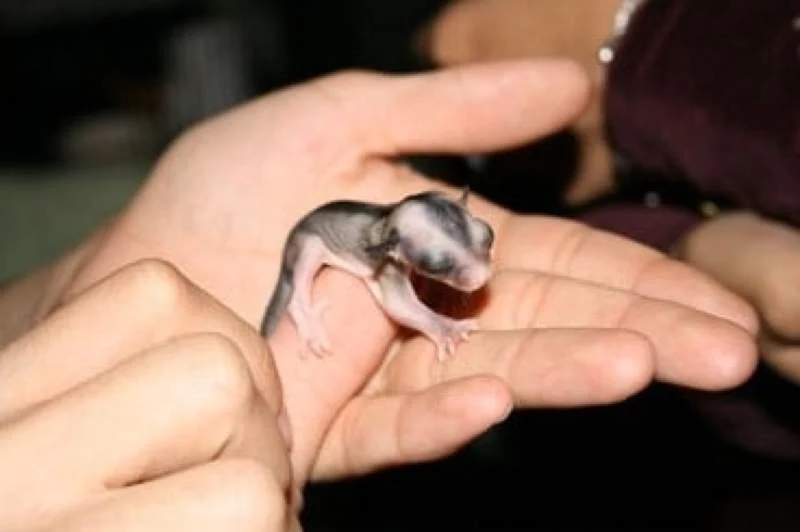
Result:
<point x="572" y="317"/>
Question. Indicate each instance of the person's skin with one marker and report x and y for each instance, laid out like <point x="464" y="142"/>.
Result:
<point x="140" y="390"/>
<point x="474" y="31"/>
<point x="471" y="31"/>
<point x="572" y="317"/>
<point x="759" y="259"/>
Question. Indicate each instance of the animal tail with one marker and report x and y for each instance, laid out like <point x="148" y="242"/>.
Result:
<point x="280" y="300"/>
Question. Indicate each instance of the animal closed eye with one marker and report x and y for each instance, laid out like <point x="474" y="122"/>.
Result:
<point x="487" y="236"/>
<point x="436" y="264"/>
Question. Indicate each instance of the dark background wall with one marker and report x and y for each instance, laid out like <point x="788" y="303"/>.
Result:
<point x="64" y="62"/>
<point x="91" y="91"/>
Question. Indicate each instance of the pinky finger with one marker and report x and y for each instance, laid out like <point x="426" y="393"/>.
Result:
<point x="376" y="432"/>
<point x="223" y="495"/>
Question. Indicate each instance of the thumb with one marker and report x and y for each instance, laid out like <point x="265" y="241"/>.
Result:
<point x="475" y="108"/>
<point x="757" y="258"/>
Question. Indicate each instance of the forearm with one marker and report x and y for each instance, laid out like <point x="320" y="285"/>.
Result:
<point x="24" y="301"/>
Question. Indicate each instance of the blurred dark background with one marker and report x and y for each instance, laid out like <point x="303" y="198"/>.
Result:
<point x="92" y="90"/>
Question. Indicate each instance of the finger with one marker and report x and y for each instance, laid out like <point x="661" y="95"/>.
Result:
<point x="139" y="305"/>
<point x="782" y="357"/>
<point x="386" y="430"/>
<point x="542" y="368"/>
<point x="757" y="258"/>
<point x="692" y="348"/>
<point x="475" y="108"/>
<point x="484" y="30"/>
<point x="578" y="251"/>
<point x="222" y="495"/>
<point x="175" y="406"/>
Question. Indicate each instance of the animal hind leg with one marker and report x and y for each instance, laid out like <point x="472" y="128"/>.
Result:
<point x="305" y="315"/>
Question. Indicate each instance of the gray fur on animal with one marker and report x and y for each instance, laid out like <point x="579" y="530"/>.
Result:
<point x="429" y="232"/>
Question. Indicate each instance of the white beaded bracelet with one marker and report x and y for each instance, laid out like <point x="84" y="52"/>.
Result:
<point x="626" y="10"/>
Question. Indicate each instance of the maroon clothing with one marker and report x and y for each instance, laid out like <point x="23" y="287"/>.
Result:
<point x="707" y="93"/>
<point x="659" y="227"/>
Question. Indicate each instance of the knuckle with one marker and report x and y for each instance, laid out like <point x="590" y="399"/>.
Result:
<point x="252" y="494"/>
<point x="219" y="373"/>
<point x="158" y="284"/>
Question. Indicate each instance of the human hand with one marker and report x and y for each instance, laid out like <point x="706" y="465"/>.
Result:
<point x="573" y="316"/>
<point x="760" y="260"/>
<point x="142" y="404"/>
<point x="472" y="31"/>
<point x="469" y="31"/>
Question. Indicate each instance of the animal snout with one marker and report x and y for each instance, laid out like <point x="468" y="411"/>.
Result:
<point x="474" y="277"/>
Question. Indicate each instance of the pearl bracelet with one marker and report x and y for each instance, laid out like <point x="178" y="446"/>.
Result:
<point x="626" y="10"/>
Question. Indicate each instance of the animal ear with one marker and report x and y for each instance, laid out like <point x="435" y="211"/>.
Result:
<point x="384" y="247"/>
<point x="464" y="195"/>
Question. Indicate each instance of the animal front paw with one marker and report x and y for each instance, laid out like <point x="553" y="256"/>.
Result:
<point x="450" y="334"/>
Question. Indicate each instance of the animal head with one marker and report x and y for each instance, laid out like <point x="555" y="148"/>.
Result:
<point x="437" y="237"/>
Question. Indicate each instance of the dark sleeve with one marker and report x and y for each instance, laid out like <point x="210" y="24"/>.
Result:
<point x="659" y="227"/>
<point x="709" y="92"/>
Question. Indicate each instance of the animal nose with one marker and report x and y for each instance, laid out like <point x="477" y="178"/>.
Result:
<point x="474" y="277"/>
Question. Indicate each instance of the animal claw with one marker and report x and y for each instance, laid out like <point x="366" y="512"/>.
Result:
<point x="318" y="342"/>
<point x="451" y="335"/>
<point x="319" y="349"/>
